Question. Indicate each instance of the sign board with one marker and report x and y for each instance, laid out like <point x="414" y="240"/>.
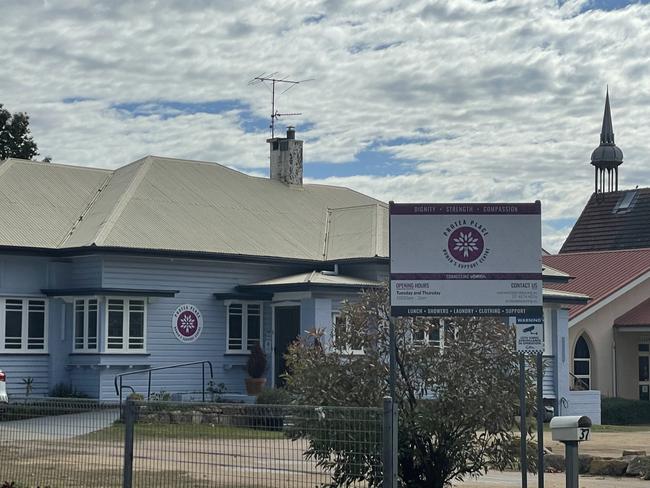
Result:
<point x="530" y="335"/>
<point x="187" y="323"/>
<point x="471" y="259"/>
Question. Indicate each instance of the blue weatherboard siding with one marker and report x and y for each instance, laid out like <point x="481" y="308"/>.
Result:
<point x="197" y="282"/>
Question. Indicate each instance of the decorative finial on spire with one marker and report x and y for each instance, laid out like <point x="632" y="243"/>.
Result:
<point x="607" y="157"/>
<point x="607" y="132"/>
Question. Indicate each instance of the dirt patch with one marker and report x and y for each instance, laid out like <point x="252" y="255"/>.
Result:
<point x="606" y="444"/>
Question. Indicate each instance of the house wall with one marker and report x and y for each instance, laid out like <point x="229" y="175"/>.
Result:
<point x="197" y="281"/>
<point x="598" y="329"/>
<point x="23" y="277"/>
<point x="627" y="362"/>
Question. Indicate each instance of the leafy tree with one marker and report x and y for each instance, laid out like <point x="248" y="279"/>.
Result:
<point x="457" y="405"/>
<point x="15" y="138"/>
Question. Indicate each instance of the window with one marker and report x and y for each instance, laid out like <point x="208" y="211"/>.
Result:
<point x="126" y="320"/>
<point x="428" y="334"/>
<point x="23" y="325"/>
<point x="244" y="328"/>
<point x="85" y="324"/>
<point x="581" y="365"/>
<point x="341" y="335"/>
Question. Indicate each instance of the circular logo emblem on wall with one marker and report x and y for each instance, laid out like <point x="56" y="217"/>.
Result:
<point x="466" y="244"/>
<point x="187" y="323"/>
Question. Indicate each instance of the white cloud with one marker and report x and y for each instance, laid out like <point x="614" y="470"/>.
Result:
<point x="502" y="100"/>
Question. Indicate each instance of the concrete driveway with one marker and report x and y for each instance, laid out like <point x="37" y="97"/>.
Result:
<point x="58" y="426"/>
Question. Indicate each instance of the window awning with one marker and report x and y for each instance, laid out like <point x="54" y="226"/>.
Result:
<point x="117" y="292"/>
<point x="309" y="281"/>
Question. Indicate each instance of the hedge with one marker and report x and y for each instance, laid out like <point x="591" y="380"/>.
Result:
<point x="619" y="411"/>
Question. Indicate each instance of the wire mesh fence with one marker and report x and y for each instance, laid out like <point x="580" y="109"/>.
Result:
<point x="55" y="442"/>
<point x="59" y="443"/>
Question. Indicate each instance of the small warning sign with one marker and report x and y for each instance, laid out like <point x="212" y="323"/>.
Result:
<point x="530" y="335"/>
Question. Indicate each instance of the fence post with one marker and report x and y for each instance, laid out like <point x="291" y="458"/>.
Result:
<point x="390" y="443"/>
<point x="129" y="424"/>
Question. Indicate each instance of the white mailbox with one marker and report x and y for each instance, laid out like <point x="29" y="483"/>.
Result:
<point x="571" y="428"/>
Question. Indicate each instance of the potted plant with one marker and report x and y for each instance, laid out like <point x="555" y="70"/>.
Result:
<point x="256" y="366"/>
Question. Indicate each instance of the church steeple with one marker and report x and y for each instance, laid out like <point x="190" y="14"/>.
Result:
<point x="607" y="157"/>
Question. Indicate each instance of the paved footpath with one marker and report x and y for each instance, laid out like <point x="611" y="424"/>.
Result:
<point x="57" y="427"/>
<point x="496" y="479"/>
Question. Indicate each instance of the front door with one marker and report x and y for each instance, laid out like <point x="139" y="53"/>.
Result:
<point x="287" y="330"/>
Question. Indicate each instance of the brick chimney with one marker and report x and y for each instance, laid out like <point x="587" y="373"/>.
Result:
<point x="286" y="158"/>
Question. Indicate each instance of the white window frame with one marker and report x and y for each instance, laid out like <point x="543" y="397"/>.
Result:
<point x="347" y="350"/>
<point x="582" y="377"/>
<point x="126" y="317"/>
<point x="24" y="340"/>
<point x="427" y="341"/>
<point x="86" y="310"/>
<point x="244" y="325"/>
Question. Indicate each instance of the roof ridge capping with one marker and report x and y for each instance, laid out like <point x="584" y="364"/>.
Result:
<point x="601" y="251"/>
<point x="122" y="202"/>
<point x="55" y="165"/>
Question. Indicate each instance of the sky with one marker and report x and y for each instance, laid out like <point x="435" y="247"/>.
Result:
<point x="411" y="101"/>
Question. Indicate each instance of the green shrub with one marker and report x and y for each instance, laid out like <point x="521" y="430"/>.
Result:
<point x="63" y="390"/>
<point x="619" y="411"/>
<point x="274" y="396"/>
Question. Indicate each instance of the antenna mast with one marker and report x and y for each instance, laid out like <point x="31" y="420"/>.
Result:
<point x="263" y="78"/>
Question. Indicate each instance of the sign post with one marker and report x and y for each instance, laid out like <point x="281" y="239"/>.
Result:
<point x="471" y="259"/>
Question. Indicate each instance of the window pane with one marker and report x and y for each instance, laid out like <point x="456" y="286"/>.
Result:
<point x="644" y="347"/>
<point x="36" y="324"/>
<point x="644" y="392"/>
<point x="79" y="324"/>
<point x="581" y="367"/>
<point x="13" y="324"/>
<point x="253" y="329"/>
<point x="434" y="335"/>
<point x="136" y="324"/>
<point x="235" y="326"/>
<point x="582" y="349"/>
<point x="115" y="324"/>
<point x="92" y="324"/>
<point x="644" y="370"/>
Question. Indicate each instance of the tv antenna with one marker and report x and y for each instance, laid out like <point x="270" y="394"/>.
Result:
<point x="273" y="79"/>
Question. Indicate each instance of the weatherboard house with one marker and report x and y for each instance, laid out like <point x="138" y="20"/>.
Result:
<point x="166" y="261"/>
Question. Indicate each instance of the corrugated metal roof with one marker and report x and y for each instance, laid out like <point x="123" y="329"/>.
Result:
<point x="564" y="296"/>
<point x="552" y="274"/>
<point x="178" y="205"/>
<point x="638" y="316"/>
<point x="317" y="278"/>
<point x="40" y="203"/>
<point x="599" y="274"/>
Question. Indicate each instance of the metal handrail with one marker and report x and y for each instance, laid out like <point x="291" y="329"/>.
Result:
<point x="580" y="381"/>
<point x="120" y="387"/>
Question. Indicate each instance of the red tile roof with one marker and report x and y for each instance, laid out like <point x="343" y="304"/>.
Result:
<point x="639" y="315"/>
<point x="598" y="274"/>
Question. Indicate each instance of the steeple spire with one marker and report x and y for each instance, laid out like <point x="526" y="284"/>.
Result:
<point x="607" y="132"/>
<point x="607" y="157"/>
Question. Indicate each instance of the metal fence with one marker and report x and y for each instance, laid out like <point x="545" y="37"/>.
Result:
<point x="62" y="443"/>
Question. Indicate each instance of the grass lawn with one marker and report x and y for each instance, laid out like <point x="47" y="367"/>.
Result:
<point x="184" y="431"/>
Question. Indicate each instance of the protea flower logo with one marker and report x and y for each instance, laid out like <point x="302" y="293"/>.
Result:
<point x="466" y="247"/>
<point x="187" y="323"/>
